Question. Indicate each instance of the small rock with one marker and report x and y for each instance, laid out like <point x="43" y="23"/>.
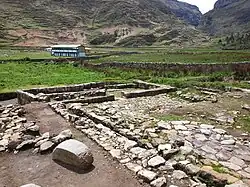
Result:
<point x="46" y="146"/>
<point x="25" y="144"/>
<point x="156" y="161"/>
<point x="180" y="127"/>
<point x="178" y="174"/>
<point x="208" y="149"/>
<point x="237" y="161"/>
<point x="220" y="131"/>
<point x="186" y="150"/>
<point x="223" y="155"/>
<point x="116" y="153"/>
<point x="160" y="182"/>
<point x="147" y="175"/>
<point x="137" y="150"/>
<point x="64" y="135"/>
<point x="163" y="147"/>
<point x="205" y="126"/>
<point x="192" y="169"/>
<point x="129" y="144"/>
<point x="162" y="125"/>
<point x="133" y="167"/>
<point x="200" y="137"/>
<point x="231" y="166"/>
<point x="157" y="141"/>
<point x="206" y="131"/>
<point x="167" y="154"/>
<point x="246" y="107"/>
<point x="228" y="142"/>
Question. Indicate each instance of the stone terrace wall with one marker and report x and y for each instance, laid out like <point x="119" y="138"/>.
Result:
<point x="69" y="88"/>
<point x="242" y="68"/>
<point x="7" y="96"/>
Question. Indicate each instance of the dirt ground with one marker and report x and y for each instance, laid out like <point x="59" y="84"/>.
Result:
<point x="25" y="167"/>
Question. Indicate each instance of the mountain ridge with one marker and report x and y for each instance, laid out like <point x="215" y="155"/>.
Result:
<point x="228" y="16"/>
<point x="47" y="22"/>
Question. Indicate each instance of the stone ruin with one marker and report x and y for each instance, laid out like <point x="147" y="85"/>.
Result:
<point x="117" y="117"/>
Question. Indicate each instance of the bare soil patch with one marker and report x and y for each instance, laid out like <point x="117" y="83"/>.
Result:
<point x="26" y="167"/>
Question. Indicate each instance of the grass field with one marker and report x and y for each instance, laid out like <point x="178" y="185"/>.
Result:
<point x="6" y="54"/>
<point x="26" y="75"/>
<point x="147" y="54"/>
<point x="158" y="54"/>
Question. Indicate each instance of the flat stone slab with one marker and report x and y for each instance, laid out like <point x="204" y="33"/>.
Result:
<point x="150" y="92"/>
<point x="73" y="153"/>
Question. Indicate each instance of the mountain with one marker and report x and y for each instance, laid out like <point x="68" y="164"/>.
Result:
<point x="45" y="22"/>
<point x="228" y="16"/>
<point x="187" y="12"/>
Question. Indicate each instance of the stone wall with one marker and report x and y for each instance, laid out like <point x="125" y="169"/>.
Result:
<point x="69" y="88"/>
<point x="241" y="68"/>
<point x="25" y="97"/>
<point x="7" y="96"/>
<point x="150" y="92"/>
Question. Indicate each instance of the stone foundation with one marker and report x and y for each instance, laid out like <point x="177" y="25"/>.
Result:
<point x="94" y="92"/>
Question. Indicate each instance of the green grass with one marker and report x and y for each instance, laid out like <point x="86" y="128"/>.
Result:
<point x="15" y="75"/>
<point x="147" y="54"/>
<point x="219" y="169"/>
<point x="170" y="117"/>
<point x="21" y="54"/>
<point x="158" y="54"/>
<point x="25" y="75"/>
<point x="244" y="121"/>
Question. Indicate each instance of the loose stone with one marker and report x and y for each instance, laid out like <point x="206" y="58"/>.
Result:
<point x="237" y="161"/>
<point x="163" y="147"/>
<point x="156" y="161"/>
<point x="133" y="167"/>
<point x="46" y="146"/>
<point x="231" y="166"/>
<point x="160" y="182"/>
<point x="147" y="175"/>
<point x="178" y="174"/>
<point x="228" y="142"/>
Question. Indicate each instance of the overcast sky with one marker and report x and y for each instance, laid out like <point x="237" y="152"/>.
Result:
<point x="204" y="5"/>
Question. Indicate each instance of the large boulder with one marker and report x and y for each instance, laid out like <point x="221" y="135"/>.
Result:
<point x="30" y="185"/>
<point x="73" y="153"/>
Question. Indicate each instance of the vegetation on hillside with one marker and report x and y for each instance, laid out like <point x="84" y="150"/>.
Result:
<point x="236" y="41"/>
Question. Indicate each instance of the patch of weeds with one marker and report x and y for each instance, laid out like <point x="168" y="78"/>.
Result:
<point x="170" y="117"/>
<point x="244" y="121"/>
<point x="219" y="169"/>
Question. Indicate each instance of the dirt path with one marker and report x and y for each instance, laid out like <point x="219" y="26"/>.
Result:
<point x="26" y="167"/>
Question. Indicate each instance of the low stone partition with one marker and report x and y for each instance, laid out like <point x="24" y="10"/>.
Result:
<point x="68" y="88"/>
<point x="74" y="95"/>
<point x="237" y="67"/>
<point x="150" y="92"/>
<point x="121" y="86"/>
<point x="25" y="97"/>
<point x="145" y="85"/>
<point x="7" y="96"/>
<point x="99" y="99"/>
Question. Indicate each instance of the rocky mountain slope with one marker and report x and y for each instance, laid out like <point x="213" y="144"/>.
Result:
<point x="187" y="12"/>
<point x="228" y="16"/>
<point x="47" y="22"/>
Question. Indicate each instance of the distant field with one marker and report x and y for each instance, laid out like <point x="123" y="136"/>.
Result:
<point x="15" y="76"/>
<point x="6" y="54"/>
<point x="147" y="54"/>
<point x="200" y="55"/>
